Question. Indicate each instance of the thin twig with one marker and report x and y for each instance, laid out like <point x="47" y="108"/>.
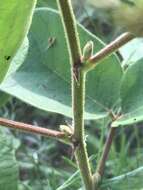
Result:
<point x="112" y="47"/>
<point x="104" y="156"/>
<point x="31" y="128"/>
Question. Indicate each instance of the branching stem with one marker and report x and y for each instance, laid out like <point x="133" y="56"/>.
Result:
<point x="78" y="90"/>
<point x="78" y="74"/>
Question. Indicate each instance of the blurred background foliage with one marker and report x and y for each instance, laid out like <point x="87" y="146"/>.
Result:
<point x="46" y="164"/>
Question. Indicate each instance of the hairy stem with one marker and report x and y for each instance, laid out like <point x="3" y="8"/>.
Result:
<point x="78" y="91"/>
<point x="78" y="121"/>
<point x="70" y="28"/>
<point x="31" y="128"/>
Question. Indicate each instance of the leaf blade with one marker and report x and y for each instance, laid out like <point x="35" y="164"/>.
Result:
<point x="47" y="71"/>
<point x="15" y="19"/>
<point x="8" y="164"/>
<point x="131" y="96"/>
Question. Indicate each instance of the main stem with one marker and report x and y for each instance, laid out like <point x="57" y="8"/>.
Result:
<point x="79" y="135"/>
<point x="78" y="91"/>
<point x="70" y="28"/>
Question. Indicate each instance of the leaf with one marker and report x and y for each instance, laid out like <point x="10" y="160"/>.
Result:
<point x="132" y="95"/>
<point x="15" y="64"/>
<point x="3" y="98"/>
<point x="73" y="179"/>
<point x="15" y="19"/>
<point x="131" y="180"/>
<point x="19" y="58"/>
<point x="8" y="164"/>
<point x="132" y="51"/>
<point x="44" y="79"/>
<point x="49" y="3"/>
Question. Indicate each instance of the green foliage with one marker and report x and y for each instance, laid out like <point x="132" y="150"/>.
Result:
<point x="15" y="19"/>
<point x="44" y="79"/>
<point x="3" y="98"/>
<point x="15" y="64"/>
<point x="131" y="180"/>
<point x="8" y="164"/>
<point x="47" y="3"/>
<point x="132" y="51"/>
<point x="19" y="58"/>
<point x="132" y="95"/>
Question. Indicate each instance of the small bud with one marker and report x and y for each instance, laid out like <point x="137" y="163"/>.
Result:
<point x="88" y="51"/>
<point x="66" y="129"/>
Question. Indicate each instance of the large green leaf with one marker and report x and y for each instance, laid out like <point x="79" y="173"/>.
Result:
<point x="15" y="19"/>
<point x="8" y="164"/>
<point x="44" y="79"/>
<point x="132" y="95"/>
<point x="129" y="181"/>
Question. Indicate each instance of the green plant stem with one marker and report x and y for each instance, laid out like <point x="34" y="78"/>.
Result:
<point x="70" y="28"/>
<point x="78" y="91"/>
<point x="79" y="135"/>
<point x="31" y="128"/>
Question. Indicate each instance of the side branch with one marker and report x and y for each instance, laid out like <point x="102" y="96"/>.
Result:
<point x="109" y="49"/>
<point x="31" y="128"/>
<point x="108" y="143"/>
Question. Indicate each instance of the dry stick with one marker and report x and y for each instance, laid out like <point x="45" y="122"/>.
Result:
<point x="78" y="90"/>
<point x="31" y="128"/>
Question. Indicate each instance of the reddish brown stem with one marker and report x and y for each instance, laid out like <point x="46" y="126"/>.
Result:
<point x="108" y="143"/>
<point x="112" y="47"/>
<point x="109" y="49"/>
<point x="31" y="128"/>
